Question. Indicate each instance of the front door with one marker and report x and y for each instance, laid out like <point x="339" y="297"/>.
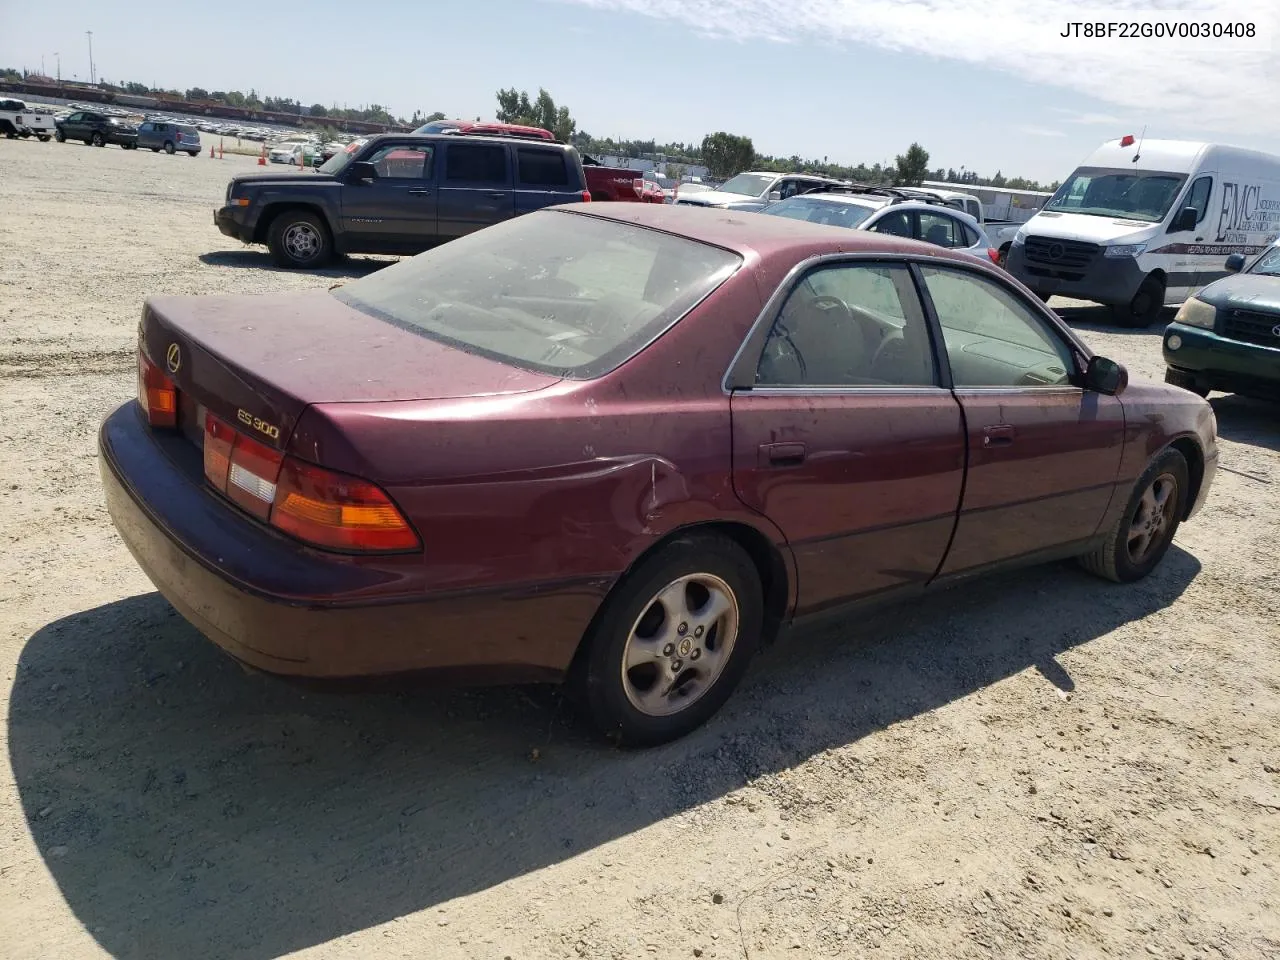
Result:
<point x="397" y="211"/>
<point x="1043" y="453"/>
<point x="843" y="437"/>
<point x="1187" y="262"/>
<point x="476" y="189"/>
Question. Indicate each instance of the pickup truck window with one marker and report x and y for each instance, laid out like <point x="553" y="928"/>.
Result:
<point x="475" y="163"/>
<point x="400" y="161"/>
<point x="541" y="168"/>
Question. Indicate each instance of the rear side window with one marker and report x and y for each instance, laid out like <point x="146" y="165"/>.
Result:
<point x="896" y="223"/>
<point x="542" y="168"/>
<point x="940" y="231"/>
<point x="475" y="163"/>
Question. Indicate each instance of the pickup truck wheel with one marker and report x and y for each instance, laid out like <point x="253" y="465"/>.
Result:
<point x="1144" y="308"/>
<point x="168" y="147"/>
<point x="98" y="140"/>
<point x="1139" y="539"/>
<point x="671" y="642"/>
<point x="60" y="136"/>
<point x="299" y="239"/>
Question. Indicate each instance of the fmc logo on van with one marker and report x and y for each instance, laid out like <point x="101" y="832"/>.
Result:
<point x="1244" y="210"/>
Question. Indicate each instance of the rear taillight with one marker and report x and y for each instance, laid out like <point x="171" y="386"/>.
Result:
<point x="586" y="196"/>
<point x="338" y="511"/>
<point x="318" y="506"/>
<point x="638" y="187"/>
<point x="157" y="394"/>
<point x="994" y="255"/>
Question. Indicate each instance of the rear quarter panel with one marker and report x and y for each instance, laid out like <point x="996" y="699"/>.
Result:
<point x="575" y="481"/>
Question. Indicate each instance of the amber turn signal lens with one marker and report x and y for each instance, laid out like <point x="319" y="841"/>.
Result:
<point x="157" y="394"/>
<point x="337" y="511"/>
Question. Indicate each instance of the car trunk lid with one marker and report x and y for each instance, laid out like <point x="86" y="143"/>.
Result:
<point x="258" y="361"/>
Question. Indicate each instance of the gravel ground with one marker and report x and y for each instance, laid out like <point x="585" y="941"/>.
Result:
<point x="1041" y="765"/>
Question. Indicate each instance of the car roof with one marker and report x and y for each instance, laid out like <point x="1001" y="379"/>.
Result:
<point x="471" y="138"/>
<point x="752" y="234"/>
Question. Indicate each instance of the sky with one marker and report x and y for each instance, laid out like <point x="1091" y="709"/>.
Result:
<point x="980" y="84"/>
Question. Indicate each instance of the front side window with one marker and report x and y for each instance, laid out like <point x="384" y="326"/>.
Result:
<point x="475" y="163"/>
<point x="941" y="230"/>
<point x="1198" y="196"/>
<point x="849" y="325"/>
<point x="896" y="223"/>
<point x="1269" y="263"/>
<point x="403" y="161"/>
<point x="1127" y="194"/>
<point x="992" y="339"/>
<point x="568" y="295"/>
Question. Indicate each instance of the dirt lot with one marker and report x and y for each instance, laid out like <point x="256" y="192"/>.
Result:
<point x="1043" y="765"/>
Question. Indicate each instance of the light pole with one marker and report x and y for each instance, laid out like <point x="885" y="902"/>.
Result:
<point x="89" y="34"/>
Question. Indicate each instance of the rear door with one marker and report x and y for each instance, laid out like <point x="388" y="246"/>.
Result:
<point x="543" y="178"/>
<point x="1043" y="453"/>
<point x="397" y="211"/>
<point x="476" y="187"/>
<point x="845" y="437"/>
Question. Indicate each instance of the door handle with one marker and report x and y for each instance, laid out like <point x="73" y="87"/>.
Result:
<point x="420" y="192"/>
<point x="1000" y="435"/>
<point x="781" y="454"/>
<point x="498" y="196"/>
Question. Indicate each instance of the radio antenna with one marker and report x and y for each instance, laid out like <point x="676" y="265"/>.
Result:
<point x="1138" y="153"/>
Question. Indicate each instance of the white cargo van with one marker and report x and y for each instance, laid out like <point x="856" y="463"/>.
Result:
<point x="1141" y="225"/>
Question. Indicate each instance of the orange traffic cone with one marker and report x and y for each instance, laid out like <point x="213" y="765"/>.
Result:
<point x="219" y="149"/>
<point x="262" y="157"/>
<point x="212" y="155"/>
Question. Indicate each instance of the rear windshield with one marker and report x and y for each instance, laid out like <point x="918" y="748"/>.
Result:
<point x="563" y="294"/>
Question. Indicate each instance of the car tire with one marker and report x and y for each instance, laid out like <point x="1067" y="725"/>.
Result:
<point x="294" y="232"/>
<point x="193" y="153"/>
<point x="709" y="586"/>
<point x="1186" y="381"/>
<point x="60" y="136"/>
<point x="1139" y="539"/>
<point x="169" y="148"/>
<point x="98" y="140"/>
<point x="155" y="149"/>
<point x="1144" y="309"/>
<point x="10" y="135"/>
<point x="42" y="137"/>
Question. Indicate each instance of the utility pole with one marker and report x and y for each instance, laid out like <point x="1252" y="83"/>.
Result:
<point x="58" y="58"/>
<point x="89" y="34"/>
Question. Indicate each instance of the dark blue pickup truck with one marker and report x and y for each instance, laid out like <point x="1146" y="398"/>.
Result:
<point x="398" y="194"/>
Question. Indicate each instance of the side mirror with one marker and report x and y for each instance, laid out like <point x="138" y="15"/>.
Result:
<point x="1105" y="376"/>
<point x="362" y="170"/>
<point x="775" y="195"/>
<point x="1186" y="219"/>
<point x="1235" y="263"/>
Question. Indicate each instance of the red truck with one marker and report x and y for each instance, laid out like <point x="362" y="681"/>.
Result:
<point x="605" y="183"/>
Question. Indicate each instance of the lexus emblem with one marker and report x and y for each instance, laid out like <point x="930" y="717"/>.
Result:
<point x="173" y="358"/>
<point x="1275" y="331"/>
<point x="1056" y="250"/>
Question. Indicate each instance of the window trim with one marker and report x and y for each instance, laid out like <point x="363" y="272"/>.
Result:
<point x="1079" y="353"/>
<point x="739" y="376"/>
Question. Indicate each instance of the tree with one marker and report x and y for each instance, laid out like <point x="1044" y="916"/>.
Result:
<point x="911" y="167"/>
<point x="726" y="154"/>
<point x="318" y="110"/>
<point x="674" y="171"/>
<point x="434" y="116"/>
<point x="998" y="180"/>
<point x="197" y="93"/>
<point x="514" y="106"/>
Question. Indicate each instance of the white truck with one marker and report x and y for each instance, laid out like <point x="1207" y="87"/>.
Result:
<point x="18" y="120"/>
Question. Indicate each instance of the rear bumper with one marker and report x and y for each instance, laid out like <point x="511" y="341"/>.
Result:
<point x="1218" y="363"/>
<point x="286" y="609"/>
<point x="1109" y="280"/>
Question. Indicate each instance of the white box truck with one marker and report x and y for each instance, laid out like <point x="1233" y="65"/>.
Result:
<point x="1144" y="224"/>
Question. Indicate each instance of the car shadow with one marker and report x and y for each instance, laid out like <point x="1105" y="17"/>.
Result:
<point x="1245" y="420"/>
<point x="344" y="267"/>
<point x="167" y="789"/>
<point x="1098" y="319"/>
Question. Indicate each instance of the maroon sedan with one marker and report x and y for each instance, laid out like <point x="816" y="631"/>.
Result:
<point x="624" y="447"/>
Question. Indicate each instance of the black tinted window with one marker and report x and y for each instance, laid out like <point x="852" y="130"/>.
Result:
<point x="897" y="224"/>
<point x="543" y="168"/>
<point x="476" y="163"/>
<point x="1198" y="197"/>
